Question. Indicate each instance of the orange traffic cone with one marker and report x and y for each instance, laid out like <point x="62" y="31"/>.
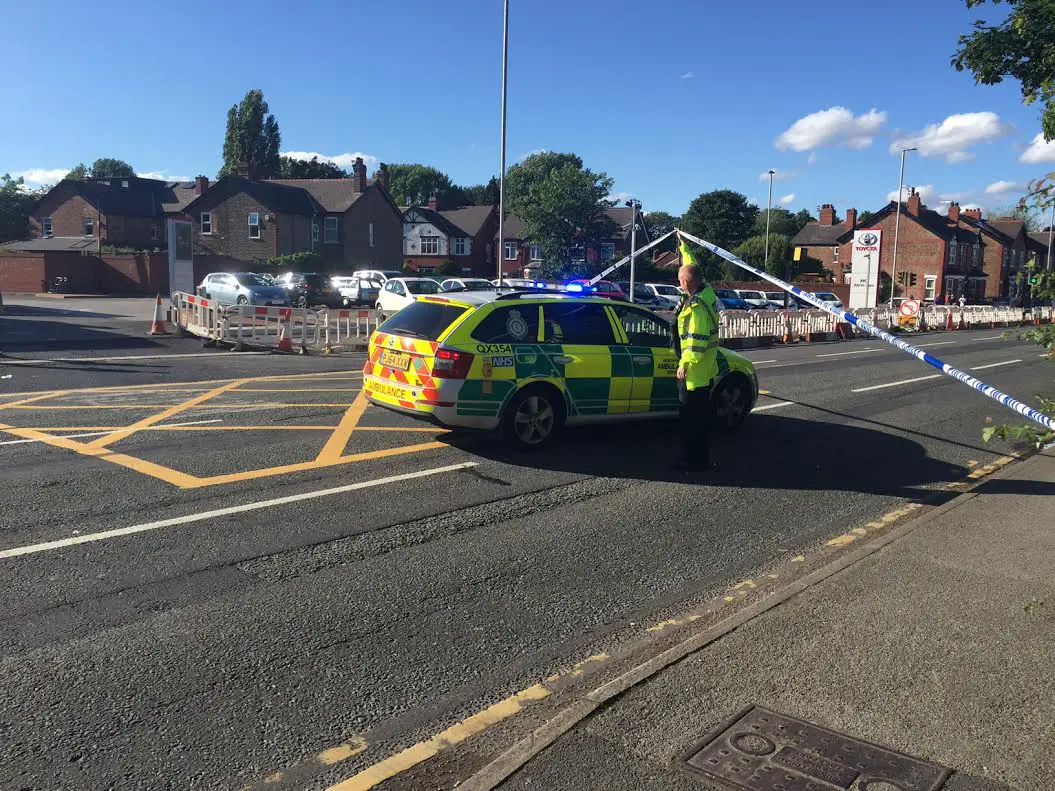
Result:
<point x="285" y="341"/>
<point x="157" y="326"/>
<point x="948" y="319"/>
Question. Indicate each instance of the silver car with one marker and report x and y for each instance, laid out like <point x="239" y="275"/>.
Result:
<point x="359" y="291"/>
<point x="241" y="288"/>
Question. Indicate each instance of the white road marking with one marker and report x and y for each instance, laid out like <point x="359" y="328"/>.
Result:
<point x="895" y="384"/>
<point x="200" y="355"/>
<point x="994" y="365"/>
<point x="759" y="362"/>
<point x="105" y="433"/>
<point x="46" y="546"/>
<point x="988" y="338"/>
<point x="928" y="345"/>
<point x="858" y="351"/>
<point x="772" y="406"/>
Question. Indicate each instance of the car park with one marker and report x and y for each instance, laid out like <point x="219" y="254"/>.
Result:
<point x="381" y="275"/>
<point x="730" y="299"/>
<point x="241" y="288"/>
<point x="308" y="289"/>
<point x="672" y="294"/>
<point x="514" y="282"/>
<point x="756" y="299"/>
<point x="829" y="299"/>
<point x="602" y="288"/>
<point x="467" y="284"/>
<point x="530" y="364"/>
<point x="644" y="296"/>
<point x="359" y="291"/>
<point x="398" y="292"/>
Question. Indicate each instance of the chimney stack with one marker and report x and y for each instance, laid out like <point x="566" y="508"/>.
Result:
<point x="359" y="174"/>
<point x="975" y="214"/>
<point x="201" y="185"/>
<point x="434" y="201"/>
<point x="381" y="177"/>
<point x="954" y="211"/>
<point x="851" y="219"/>
<point x="913" y="203"/>
<point x="827" y="214"/>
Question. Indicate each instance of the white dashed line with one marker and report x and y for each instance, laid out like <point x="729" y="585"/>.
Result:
<point x="759" y="362"/>
<point x="772" y="406"/>
<point x="928" y="345"/>
<point x="994" y="365"/>
<point x="988" y="338"/>
<point x="895" y="384"/>
<point x="858" y="351"/>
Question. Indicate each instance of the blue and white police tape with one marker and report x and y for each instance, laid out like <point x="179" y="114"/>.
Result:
<point x="988" y="390"/>
<point x="617" y="264"/>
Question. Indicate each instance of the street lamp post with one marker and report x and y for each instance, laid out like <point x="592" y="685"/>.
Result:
<point x="635" y="206"/>
<point x="897" y="224"/>
<point x="501" y="252"/>
<point x="769" y="213"/>
<point x="1051" y="230"/>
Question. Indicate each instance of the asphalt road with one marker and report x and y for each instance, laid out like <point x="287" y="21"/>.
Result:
<point x="215" y="604"/>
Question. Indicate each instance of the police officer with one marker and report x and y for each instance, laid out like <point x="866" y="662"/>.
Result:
<point x="696" y="347"/>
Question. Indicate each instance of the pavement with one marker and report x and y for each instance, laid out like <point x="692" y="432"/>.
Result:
<point x="294" y="590"/>
<point x="935" y="642"/>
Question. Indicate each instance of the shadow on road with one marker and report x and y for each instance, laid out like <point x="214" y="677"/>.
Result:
<point x="37" y="335"/>
<point x="20" y="311"/>
<point x="769" y="452"/>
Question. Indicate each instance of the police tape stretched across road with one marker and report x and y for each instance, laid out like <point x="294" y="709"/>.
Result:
<point x="988" y="390"/>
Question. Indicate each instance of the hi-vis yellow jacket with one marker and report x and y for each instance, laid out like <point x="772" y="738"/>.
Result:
<point x="697" y="323"/>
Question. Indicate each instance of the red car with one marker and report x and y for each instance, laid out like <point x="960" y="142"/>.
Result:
<point x="602" y="288"/>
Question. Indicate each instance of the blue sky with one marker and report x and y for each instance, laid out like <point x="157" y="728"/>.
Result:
<point x="671" y="98"/>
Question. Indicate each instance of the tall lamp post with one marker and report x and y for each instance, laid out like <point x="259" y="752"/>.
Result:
<point x="1051" y="230"/>
<point x="502" y="174"/>
<point x="769" y="212"/>
<point x="897" y="224"/>
<point x="635" y="207"/>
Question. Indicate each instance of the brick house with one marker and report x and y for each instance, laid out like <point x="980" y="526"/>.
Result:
<point x="1037" y="246"/>
<point x="820" y="240"/>
<point x="119" y="212"/>
<point x="465" y="236"/>
<point x="240" y="221"/>
<point x="944" y="256"/>
<point x="520" y="254"/>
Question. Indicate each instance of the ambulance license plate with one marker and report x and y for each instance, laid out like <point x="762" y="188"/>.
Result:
<point x="395" y="360"/>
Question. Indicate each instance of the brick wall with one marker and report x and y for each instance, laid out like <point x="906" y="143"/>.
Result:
<point x="67" y="212"/>
<point x="230" y="229"/>
<point x="824" y="254"/>
<point x="387" y="250"/>
<point x="145" y="274"/>
<point x="432" y="262"/>
<point x="919" y="251"/>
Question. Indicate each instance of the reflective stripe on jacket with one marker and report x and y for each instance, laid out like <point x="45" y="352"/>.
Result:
<point x="698" y="338"/>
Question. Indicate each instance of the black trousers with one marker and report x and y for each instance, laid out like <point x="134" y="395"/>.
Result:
<point x="696" y="418"/>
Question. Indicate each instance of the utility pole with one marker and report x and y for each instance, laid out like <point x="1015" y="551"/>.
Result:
<point x="769" y="212"/>
<point x="501" y="251"/>
<point x="897" y="227"/>
<point x="634" y="205"/>
<point x="1051" y="230"/>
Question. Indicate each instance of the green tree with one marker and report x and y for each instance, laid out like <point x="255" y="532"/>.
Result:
<point x="110" y="168"/>
<point x="78" y="173"/>
<point x="659" y="223"/>
<point x="865" y="217"/>
<point x="289" y="168"/>
<point x="781" y="221"/>
<point x="561" y="203"/>
<point x="15" y="204"/>
<point x="724" y="218"/>
<point x="753" y="251"/>
<point x="482" y="194"/>
<point x="252" y="138"/>
<point x="802" y="218"/>
<point x="1029" y="216"/>
<point x="414" y="183"/>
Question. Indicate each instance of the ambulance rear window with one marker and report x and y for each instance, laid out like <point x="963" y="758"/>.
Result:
<point x="424" y="320"/>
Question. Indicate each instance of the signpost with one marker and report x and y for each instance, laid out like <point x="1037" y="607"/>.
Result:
<point x="181" y="256"/>
<point x="864" y="269"/>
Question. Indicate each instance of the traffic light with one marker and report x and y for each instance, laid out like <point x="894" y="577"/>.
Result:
<point x="912" y="279"/>
<point x="1033" y="280"/>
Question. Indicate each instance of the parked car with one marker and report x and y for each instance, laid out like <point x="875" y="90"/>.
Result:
<point x="644" y="296"/>
<point x="776" y="299"/>
<point x="307" y="289"/>
<point x="380" y="275"/>
<point x="269" y="279"/>
<point x="672" y="294"/>
<point x="241" y="288"/>
<point x="602" y="288"/>
<point x="342" y="281"/>
<point x="398" y="292"/>
<point x="467" y="284"/>
<point x="756" y="299"/>
<point x="514" y="282"/>
<point x="359" y="291"/>
<point x="730" y="299"/>
<point x="829" y="299"/>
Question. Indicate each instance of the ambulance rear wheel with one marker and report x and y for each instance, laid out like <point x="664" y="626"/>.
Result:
<point x="533" y="418"/>
<point x="731" y="401"/>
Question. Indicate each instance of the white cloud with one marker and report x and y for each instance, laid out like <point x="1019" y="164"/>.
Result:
<point x="926" y="192"/>
<point x="532" y="153"/>
<point x="778" y="175"/>
<point x="786" y="199"/>
<point x="619" y="197"/>
<point x="345" y="160"/>
<point x="812" y="158"/>
<point x="754" y="201"/>
<point x="1000" y="187"/>
<point x="1038" y="150"/>
<point x="687" y="75"/>
<point x="42" y="175"/>
<point x="833" y="126"/>
<point x="953" y="136"/>
<point x="161" y="175"/>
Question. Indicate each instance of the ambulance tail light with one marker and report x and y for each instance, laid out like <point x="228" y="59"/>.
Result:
<point x="451" y="364"/>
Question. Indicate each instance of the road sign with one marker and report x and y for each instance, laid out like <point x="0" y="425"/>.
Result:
<point x="910" y="307"/>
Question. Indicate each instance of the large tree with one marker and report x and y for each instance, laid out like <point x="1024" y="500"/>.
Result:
<point x="802" y="217"/>
<point x="562" y="204"/>
<point x="414" y="183"/>
<point x="724" y="218"/>
<point x="78" y="173"/>
<point x="15" y="203"/>
<point x="781" y="221"/>
<point x="482" y="194"/>
<point x="753" y="251"/>
<point x="110" y="168"/>
<point x="1030" y="217"/>
<point x="659" y="223"/>
<point x="252" y="138"/>
<point x="314" y="168"/>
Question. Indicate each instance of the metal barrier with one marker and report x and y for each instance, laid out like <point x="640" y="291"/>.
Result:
<point x="196" y="315"/>
<point x="342" y="326"/>
<point x="260" y="326"/>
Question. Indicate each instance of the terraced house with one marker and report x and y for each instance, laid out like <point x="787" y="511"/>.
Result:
<point x="464" y="236"/>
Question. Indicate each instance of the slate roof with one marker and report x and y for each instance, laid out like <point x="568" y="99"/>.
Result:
<point x="436" y="219"/>
<point x="815" y="234"/>
<point x="469" y="218"/>
<point x="334" y="195"/>
<point x="277" y="197"/>
<point x="512" y="228"/>
<point x="53" y="244"/>
<point x="1008" y="227"/>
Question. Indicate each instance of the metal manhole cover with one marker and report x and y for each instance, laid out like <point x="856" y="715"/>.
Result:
<point x="761" y="750"/>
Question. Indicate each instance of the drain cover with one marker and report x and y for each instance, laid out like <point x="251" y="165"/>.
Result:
<point x="761" y="750"/>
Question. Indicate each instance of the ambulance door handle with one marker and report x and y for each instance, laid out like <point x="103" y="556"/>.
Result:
<point x="563" y="359"/>
<point x="642" y="358"/>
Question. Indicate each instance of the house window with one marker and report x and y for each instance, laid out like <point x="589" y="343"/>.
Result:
<point x="124" y="183"/>
<point x="154" y="231"/>
<point x="607" y="251"/>
<point x="89" y="226"/>
<point x="929" y="284"/>
<point x="254" y="225"/>
<point x="45" y="226"/>
<point x="370" y="233"/>
<point x="206" y="222"/>
<point x="536" y="252"/>
<point x="329" y="230"/>
<point x="511" y="250"/>
<point x="835" y="255"/>
<point x="461" y="245"/>
<point x="314" y="232"/>
<point x="430" y="245"/>
<point x="951" y="259"/>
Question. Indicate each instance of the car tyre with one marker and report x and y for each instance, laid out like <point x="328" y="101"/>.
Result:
<point x="242" y="300"/>
<point x="731" y="402"/>
<point x="533" y="419"/>
<point x="302" y="301"/>
<point x="381" y="317"/>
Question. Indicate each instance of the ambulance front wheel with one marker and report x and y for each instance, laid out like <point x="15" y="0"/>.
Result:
<point x="533" y="418"/>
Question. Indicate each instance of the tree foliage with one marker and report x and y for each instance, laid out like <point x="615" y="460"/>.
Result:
<point x="781" y="221"/>
<point x="449" y="268"/>
<point x="1030" y="217"/>
<point x="414" y="183"/>
<point x="724" y="218"/>
<point x="314" y="168"/>
<point x="252" y="138"/>
<point x="659" y="223"/>
<point x="15" y="204"/>
<point x="753" y="251"/>
<point x="110" y="168"/>
<point x="561" y="203"/>
<point x="78" y="173"/>
<point x="802" y="217"/>
<point x="482" y="194"/>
